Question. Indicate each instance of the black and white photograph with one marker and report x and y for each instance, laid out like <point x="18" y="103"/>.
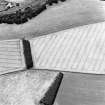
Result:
<point x="52" y="52"/>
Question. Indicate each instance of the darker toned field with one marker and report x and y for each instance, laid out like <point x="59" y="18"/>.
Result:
<point x="20" y="13"/>
<point x="82" y="89"/>
<point x="69" y="14"/>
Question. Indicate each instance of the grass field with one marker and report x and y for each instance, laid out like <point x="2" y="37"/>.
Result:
<point x="71" y="13"/>
<point x="81" y="89"/>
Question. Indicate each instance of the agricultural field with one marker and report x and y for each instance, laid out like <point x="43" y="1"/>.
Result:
<point x="63" y="15"/>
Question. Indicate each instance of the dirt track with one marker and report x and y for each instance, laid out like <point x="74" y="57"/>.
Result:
<point x="64" y="15"/>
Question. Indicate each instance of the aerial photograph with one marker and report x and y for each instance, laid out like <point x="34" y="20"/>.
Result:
<point x="52" y="52"/>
